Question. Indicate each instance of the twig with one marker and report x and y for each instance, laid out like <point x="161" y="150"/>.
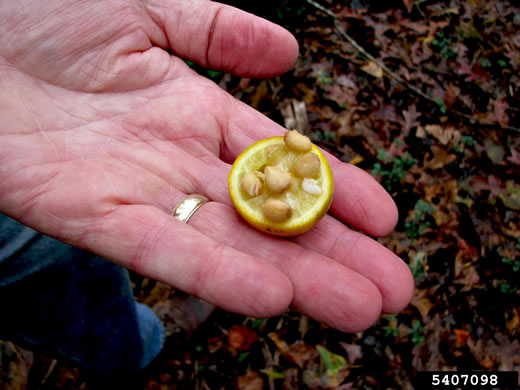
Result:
<point x="395" y="76"/>
<point x="51" y="368"/>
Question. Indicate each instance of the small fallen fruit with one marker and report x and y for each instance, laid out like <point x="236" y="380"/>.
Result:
<point x="282" y="185"/>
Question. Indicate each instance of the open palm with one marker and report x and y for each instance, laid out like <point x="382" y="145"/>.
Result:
<point x="103" y="131"/>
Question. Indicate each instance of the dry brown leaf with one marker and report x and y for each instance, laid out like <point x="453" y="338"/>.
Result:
<point x="451" y="95"/>
<point x="410" y="119"/>
<point x="513" y="324"/>
<point x="282" y="346"/>
<point x="354" y="351"/>
<point x="442" y="218"/>
<point x="250" y="381"/>
<point x="496" y="353"/>
<point x="443" y="135"/>
<point x="241" y="337"/>
<point x="356" y="160"/>
<point x="409" y="5"/>
<point x="461" y="336"/>
<point x="466" y="275"/>
<point x="261" y="92"/>
<point x="300" y="354"/>
<point x="15" y="364"/>
<point x="440" y="158"/>
<point x="372" y="69"/>
<point x="421" y="302"/>
<point x="494" y="150"/>
<point x="500" y="107"/>
<point x="511" y="197"/>
<point x="420" y="133"/>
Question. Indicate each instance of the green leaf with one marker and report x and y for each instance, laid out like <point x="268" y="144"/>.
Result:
<point x="485" y="63"/>
<point x="381" y="154"/>
<point x="332" y="362"/>
<point x="468" y="140"/>
<point x="495" y="152"/>
<point x="258" y="323"/>
<point x="418" y="264"/>
<point x="272" y="374"/>
<point x="442" y="106"/>
<point x="213" y="73"/>
<point x="511" y="198"/>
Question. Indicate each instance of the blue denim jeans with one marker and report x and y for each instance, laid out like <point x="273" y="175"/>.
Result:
<point x="72" y="304"/>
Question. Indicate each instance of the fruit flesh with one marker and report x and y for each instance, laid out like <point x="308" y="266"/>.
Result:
<point x="306" y="208"/>
<point x="294" y="191"/>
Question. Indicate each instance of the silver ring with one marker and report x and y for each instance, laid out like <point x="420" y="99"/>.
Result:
<point x="187" y="207"/>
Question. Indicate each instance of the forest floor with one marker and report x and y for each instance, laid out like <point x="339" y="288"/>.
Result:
<point x="425" y="96"/>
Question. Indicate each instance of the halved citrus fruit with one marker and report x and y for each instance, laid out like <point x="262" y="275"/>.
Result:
<point x="282" y="185"/>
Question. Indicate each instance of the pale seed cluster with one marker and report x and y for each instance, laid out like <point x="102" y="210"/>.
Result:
<point x="278" y="180"/>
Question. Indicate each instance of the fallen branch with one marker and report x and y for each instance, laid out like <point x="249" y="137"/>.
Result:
<point x="398" y="78"/>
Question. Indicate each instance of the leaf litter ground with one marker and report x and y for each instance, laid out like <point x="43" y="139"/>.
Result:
<point x="429" y="106"/>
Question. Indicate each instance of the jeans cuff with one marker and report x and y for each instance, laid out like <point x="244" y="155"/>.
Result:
<point x="152" y="333"/>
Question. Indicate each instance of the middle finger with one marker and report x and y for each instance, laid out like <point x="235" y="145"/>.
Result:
<point x="323" y="288"/>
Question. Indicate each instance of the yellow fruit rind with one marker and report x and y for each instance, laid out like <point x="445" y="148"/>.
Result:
<point x="292" y="227"/>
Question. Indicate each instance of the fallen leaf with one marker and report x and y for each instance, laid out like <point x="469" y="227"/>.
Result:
<point x="332" y="361"/>
<point x="300" y="354"/>
<point x="354" y="351"/>
<point x="440" y="158"/>
<point x="511" y="198"/>
<point x="499" y="108"/>
<point x="336" y="368"/>
<point x="419" y="28"/>
<point x="356" y="160"/>
<point x="282" y="346"/>
<point x="15" y="365"/>
<point x="421" y="302"/>
<point x="515" y="156"/>
<point x="466" y="274"/>
<point x="272" y="374"/>
<point x="241" y="337"/>
<point x="250" y="381"/>
<point x="494" y="151"/>
<point x="409" y="5"/>
<point x="513" y="324"/>
<point x="461" y="336"/>
<point x="496" y="351"/>
<point x="345" y="81"/>
<point x="410" y="119"/>
<point x="441" y="189"/>
<point x="340" y="95"/>
<point x="514" y="149"/>
<point x="451" y="95"/>
<point x="420" y="133"/>
<point x="261" y="92"/>
<point x="443" y="135"/>
<point x="372" y="69"/>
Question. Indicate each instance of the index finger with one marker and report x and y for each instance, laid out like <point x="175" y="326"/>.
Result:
<point x="224" y="38"/>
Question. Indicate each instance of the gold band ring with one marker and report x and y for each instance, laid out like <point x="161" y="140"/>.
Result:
<point x="187" y="207"/>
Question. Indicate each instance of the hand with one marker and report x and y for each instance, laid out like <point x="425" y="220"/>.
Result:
<point x="103" y="132"/>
